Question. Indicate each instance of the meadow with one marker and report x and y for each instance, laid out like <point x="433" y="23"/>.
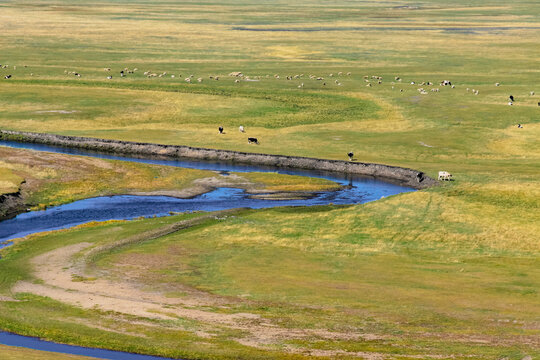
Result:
<point x="447" y="272"/>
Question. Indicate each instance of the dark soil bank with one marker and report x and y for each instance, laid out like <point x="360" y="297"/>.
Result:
<point x="406" y="177"/>
<point x="11" y="205"/>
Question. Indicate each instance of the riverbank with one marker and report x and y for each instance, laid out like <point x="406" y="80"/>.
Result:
<point x="406" y="177"/>
<point x="11" y="205"/>
<point x="44" y="179"/>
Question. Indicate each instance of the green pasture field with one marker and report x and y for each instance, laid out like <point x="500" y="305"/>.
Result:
<point x="448" y="272"/>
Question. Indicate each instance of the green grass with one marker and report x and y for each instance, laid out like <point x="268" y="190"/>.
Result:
<point x="16" y="353"/>
<point x="413" y="293"/>
<point x="431" y="272"/>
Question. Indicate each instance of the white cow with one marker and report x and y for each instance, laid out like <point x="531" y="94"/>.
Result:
<point x="445" y="175"/>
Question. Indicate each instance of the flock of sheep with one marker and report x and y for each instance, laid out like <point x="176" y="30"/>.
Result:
<point x="239" y="76"/>
<point x="421" y="87"/>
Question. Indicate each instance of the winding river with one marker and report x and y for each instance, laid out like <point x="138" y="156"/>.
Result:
<point x="356" y="190"/>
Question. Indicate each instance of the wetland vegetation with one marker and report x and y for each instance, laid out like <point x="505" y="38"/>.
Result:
<point x="447" y="272"/>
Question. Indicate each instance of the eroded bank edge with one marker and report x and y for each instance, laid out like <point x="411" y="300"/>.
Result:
<point x="404" y="176"/>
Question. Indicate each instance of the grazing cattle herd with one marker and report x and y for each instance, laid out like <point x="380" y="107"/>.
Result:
<point x="240" y="76"/>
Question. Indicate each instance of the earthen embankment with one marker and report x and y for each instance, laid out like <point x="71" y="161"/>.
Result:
<point x="408" y="177"/>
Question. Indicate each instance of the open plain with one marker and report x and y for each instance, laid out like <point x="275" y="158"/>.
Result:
<point x="449" y="272"/>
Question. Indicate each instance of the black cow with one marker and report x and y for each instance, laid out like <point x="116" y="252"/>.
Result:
<point x="252" y="140"/>
<point x="511" y="97"/>
<point x="7" y="77"/>
<point x="350" y="155"/>
<point x="220" y="129"/>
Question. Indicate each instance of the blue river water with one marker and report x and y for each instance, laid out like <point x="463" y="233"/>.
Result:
<point x="356" y="190"/>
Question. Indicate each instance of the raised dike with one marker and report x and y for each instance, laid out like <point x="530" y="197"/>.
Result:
<point x="403" y="176"/>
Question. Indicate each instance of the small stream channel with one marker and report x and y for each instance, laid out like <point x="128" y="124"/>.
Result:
<point x="356" y="190"/>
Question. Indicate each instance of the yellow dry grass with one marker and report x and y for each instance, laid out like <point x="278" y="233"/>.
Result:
<point x="9" y="181"/>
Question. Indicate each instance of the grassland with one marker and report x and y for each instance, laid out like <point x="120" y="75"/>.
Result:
<point x="9" y="182"/>
<point x="16" y="353"/>
<point x="451" y="271"/>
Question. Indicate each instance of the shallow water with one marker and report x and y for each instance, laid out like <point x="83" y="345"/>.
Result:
<point x="37" y="344"/>
<point x="356" y="190"/>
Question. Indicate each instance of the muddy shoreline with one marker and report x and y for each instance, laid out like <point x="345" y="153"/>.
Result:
<point x="11" y="205"/>
<point x="402" y="176"/>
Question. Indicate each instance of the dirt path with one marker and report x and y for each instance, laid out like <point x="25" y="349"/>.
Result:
<point x="59" y="275"/>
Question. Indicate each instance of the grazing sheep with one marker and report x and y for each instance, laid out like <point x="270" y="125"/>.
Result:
<point x="531" y="93"/>
<point x="301" y="85"/>
<point x="109" y="77"/>
<point x="497" y="84"/>
<point x="445" y="175"/>
<point x="510" y="103"/>
<point x="349" y="73"/>
<point x="199" y="80"/>
<point x="107" y="69"/>
<point x="241" y="129"/>
<point x="236" y="81"/>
